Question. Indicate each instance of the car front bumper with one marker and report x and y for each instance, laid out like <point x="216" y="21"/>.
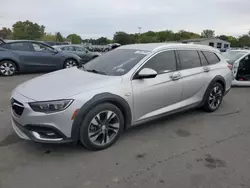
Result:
<point x="40" y="127"/>
<point x="38" y="135"/>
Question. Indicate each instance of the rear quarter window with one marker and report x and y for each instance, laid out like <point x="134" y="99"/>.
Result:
<point x="211" y="57"/>
<point x="203" y="59"/>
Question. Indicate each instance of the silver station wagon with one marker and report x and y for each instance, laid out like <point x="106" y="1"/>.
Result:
<point x="122" y="88"/>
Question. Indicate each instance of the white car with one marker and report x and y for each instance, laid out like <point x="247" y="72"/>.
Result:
<point x="240" y="61"/>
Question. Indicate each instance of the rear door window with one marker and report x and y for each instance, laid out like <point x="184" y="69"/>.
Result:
<point x="211" y="57"/>
<point x="189" y="59"/>
<point x="20" y="46"/>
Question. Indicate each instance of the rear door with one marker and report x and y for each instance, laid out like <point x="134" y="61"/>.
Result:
<point x="240" y="66"/>
<point x="22" y="52"/>
<point x="243" y="70"/>
<point x="194" y="76"/>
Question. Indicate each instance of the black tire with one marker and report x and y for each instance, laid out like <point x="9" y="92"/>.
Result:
<point x="87" y="125"/>
<point x="12" y="68"/>
<point x="69" y="62"/>
<point x="213" y="95"/>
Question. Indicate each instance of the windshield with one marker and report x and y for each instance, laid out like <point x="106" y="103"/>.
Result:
<point x="232" y="56"/>
<point x="117" y="62"/>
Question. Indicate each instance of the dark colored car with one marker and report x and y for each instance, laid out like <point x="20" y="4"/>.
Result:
<point x="111" y="47"/>
<point x="33" y="56"/>
<point x="82" y="52"/>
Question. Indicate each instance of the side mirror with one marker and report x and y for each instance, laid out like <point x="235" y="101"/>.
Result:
<point x="146" y="73"/>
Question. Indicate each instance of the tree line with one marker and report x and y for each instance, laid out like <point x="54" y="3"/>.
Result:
<point x="32" y="31"/>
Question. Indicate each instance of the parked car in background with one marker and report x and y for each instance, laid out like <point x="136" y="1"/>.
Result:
<point x="122" y="88"/>
<point x="82" y="52"/>
<point x="51" y="43"/>
<point x="33" y="56"/>
<point x="240" y="62"/>
<point x="111" y="47"/>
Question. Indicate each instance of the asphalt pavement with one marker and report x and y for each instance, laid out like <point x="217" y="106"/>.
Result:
<point x="190" y="149"/>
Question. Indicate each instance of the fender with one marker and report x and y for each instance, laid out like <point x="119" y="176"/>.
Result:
<point x="98" y="99"/>
<point x="216" y="79"/>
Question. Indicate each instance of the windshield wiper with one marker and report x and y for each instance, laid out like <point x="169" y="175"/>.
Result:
<point x="95" y="71"/>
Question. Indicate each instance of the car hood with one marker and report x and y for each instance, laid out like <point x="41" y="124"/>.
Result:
<point x="64" y="84"/>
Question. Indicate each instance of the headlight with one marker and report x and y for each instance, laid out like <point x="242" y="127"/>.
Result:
<point x="50" y="106"/>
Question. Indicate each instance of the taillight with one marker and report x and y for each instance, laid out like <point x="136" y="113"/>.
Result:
<point x="230" y="66"/>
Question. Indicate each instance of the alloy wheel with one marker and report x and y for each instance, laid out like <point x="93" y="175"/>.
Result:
<point x="215" y="97"/>
<point x="70" y="63"/>
<point x="7" y="69"/>
<point x="103" y="128"/>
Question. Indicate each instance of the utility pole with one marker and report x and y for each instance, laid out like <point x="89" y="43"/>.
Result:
<point x="139" y="41"/>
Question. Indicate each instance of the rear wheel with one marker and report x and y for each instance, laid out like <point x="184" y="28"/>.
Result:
<point x="214" y="97"/>
<point x="70" y="63"/>
<point x="7" y="68"/>
<point x="101" y="126"/>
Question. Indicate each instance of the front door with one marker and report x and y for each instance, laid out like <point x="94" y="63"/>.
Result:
<point x="155" y="96"/>
<point x="45" y="58"/>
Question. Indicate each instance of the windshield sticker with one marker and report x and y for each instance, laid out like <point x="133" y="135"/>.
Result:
<point x="142" y="52"/>
<point x="124" y="63"/>
<point x="120" y="70"/>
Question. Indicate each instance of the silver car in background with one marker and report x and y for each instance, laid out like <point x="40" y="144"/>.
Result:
<point x="122" y="88"/>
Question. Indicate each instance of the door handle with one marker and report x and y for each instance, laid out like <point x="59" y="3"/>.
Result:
<point x="206" y="69"/>
<point x="175" y="76"/>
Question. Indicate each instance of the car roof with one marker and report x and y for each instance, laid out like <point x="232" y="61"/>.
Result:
<point x="161" y="46"/>
<point x="16" y="41"/>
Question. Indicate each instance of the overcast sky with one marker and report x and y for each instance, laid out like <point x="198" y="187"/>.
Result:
<point x="95" y="18"/>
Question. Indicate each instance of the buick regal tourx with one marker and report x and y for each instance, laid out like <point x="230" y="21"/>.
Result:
<point x="122" y="88"/>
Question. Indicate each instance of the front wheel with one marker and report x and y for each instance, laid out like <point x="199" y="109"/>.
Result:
<point x="101" y="127"/>
<point x="70" y="63"/>
<point x="214" y="97"/>
<point x="7" y="68"/>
